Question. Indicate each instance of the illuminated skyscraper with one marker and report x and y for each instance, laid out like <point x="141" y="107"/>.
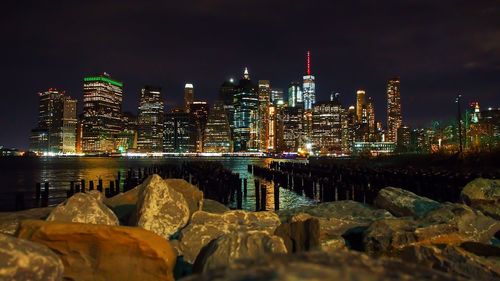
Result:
<point x="150" y="120"/>
<point x="293" y="128"/>
<point x="246" y="111"/>
<point x="372" y="126"/>
<point x="309" y="86"/>
<point x="179" y="132"/>
<point x="262" y="120"/>
<point x="217" y="138"/>
<point x="56" y="130"/>
<point x="295" y="97"/>
<point x="188" y="95"/>
<point x="360" y="104"/>
<point x="227" y="91"/>
<point x="394" y="117"/>
<point x="277" y="96"/>
<point x="199" y="111"/>
<point x="102" y="113"/>
<point x="327" y="126"/>
<point x="349" y="123"/>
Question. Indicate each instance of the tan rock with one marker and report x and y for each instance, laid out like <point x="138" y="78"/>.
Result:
<point x="193" y="196"/>
<point x="9" y="221"/>
<point x="484" y="195"/>
<point x="401" y="203"/>
<point x="103" y="252"/>
<point x="212" y="206"/>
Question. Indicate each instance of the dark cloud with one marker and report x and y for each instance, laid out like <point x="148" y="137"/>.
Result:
<point x="438" y="48"/>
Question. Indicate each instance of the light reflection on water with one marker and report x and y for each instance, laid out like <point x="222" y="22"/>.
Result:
<point x="21" y="174"/>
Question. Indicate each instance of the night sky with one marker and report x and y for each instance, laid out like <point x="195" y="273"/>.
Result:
<point x="439" y="48"/>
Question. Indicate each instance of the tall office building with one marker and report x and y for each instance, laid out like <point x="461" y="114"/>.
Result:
<point x="246" y="110"/>
<point x="217" y="137"/>
<point x="179" y="132"/>
<point x="150" y="120"/>
<point x="309" y="86"/>
<point x="277" y="96"/>
<point x="349" y="123"/>
<point x="295" y="97"/>
<point x="394" y="116"/>
<point x="199" y="110"/>
<point x="102" y="113"/>
<point x="188" y="95"/>
<point x="227" y="91"/>
<point x="327" y="126"/>
<point x="293" y="128"/>
<point x="56" y="128"/>
<point x="372" y="126"/>
<point x="264" y="92"/>
<point x="360" y="104"/>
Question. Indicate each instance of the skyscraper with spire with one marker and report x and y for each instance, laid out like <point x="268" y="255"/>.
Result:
<point x="309" y="86"/>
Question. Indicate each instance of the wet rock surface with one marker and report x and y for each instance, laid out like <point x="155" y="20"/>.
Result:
<point x="230" y="247"/>
<point x="24" y="260"/>
<point x="320" y="265"/>
<point x="103" y="252"/>
<point x="205" y="227"/>
<point x="84" y="208"/>
<point x="401" y="203"/>
<point x="9" y="221"/>
<point x="160" y="208"/>
<point x="484" y="195"/>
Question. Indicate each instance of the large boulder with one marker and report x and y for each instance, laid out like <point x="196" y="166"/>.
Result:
<point x="451" y="224"/>
<point x="320" y="265"/>
<point x="103" y="252"/>
<point x="212" y="206"/>
<point x="230" y="247"/>
<point x="24" y="260"/>
<point x="403" y="203"/>
<point x="338" y="221"/>
<point x="160" y="208"/>
<point x="456" y="260"/>
<point x="484" y="195"/>
<point x="9" y="221"/>
<point x="83" y="208"/>
<point x="193" y="196"/>
<point x="300" y="233"/>
<point x="205" y="227"/>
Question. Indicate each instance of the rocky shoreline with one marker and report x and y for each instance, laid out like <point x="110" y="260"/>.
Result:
<point x="164" y="229"/>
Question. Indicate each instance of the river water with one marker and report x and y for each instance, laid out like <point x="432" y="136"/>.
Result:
<point x="22" y="173"/>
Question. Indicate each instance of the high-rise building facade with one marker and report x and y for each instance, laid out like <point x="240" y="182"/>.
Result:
<point x="360" y="105"/>
<point x="394" y="116"/>
<point x="199" y="110"/>
<point x="349" y="123"/>
<point x="327" y="126"/>
<point x="277" y="96"/>
<point x="227" y="91"/>
<point x="217" y="137"/>
<point x="102" y="113"/>
<point x="150" y="120"/>
<point x="292" y="119"/>
<point x="188" y="95"/>
<point x="264" y="92"/>
<point x="179" y="132"/>
<point x="246" y="111"/>
<point x="56" y="128"/>
<point x="295" y="97"/>
<point x="309" y="85"/>
<point x="372" y="126"/>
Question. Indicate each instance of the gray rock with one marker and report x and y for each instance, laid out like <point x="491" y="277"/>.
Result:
<point x="484" y="195"/>
<point x="403" y="203"/>
<point x="9" y="221"/>
<point x="83" y="208"/>
<point x="212" y="206"/>
<point x="230" y="247"/>
<point x="24" y="260"/>
<point x="452" y="224"/>
<point x="205" y="227"/>
<point x="160" y="208"/>
<point x="319" y="265"/>
<point x="337" y="219"/>
<point x="300" y="233"/>
<point x="455" y="260"/>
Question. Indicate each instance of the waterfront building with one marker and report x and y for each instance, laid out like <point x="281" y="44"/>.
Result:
<point x="264" y="93"/>
<point x="349" y="123"/>
<point x="372" y="126"/>
<point x="179" y="132"/>
<point x="309" y="85"/>
<point x="404" y="139"/>
<point x="217" y="137"/>
<point x="327" y="126"/>
<point x="394" y="116"/>
<point x="199" y="110"/>
<point x="361" y="106"/>
<point x="295" y="97"/>
<point x="373" y="148"/>
<point x="150" y="120"/>
<point x="227" y="91"/>
<point x="102" y="113"/>
<point x="246" y="111"/>
<point x="188" y="95"/>
<point x="272" y="130"/>
<point x="292" y="124"/>
<point x="56" y="128"/>
<point x="277" y="96"/>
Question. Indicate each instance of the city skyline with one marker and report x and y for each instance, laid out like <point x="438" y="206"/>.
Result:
<point x="427" y="50"/>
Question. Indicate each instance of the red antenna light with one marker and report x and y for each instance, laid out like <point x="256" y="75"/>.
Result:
<point x="308" y="63"/>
